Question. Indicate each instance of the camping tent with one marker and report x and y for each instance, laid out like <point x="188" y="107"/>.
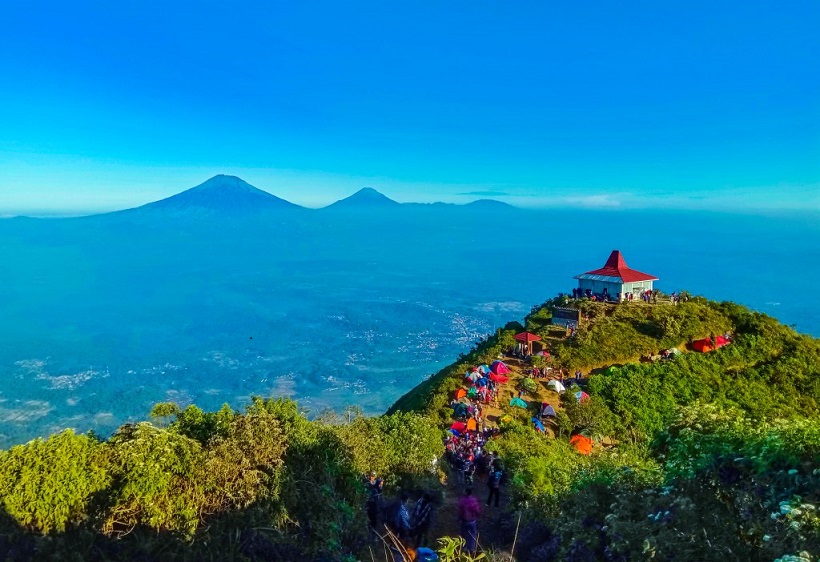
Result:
<point x="483" y="369"/>
<point x="518" y="402"/>
<point x="472" y="393"/>
<point x="499" y="368"/>
<point x="459" y="426"/>
<point x="471" y="424"/>
<point x="528" y="385"/>
<point x="499" y="378"/>
<point x="481" y="382"/>
<point x="547" y="411"/>
<point x="556" y="385"/>
<point x="581" y="396"/>
<point x="705" y="344"/>
<point x="460" y="410"/>
<point x="473" y="376"/>
<point x="460" y="393"/>
<point x="582" y="444"/>
<point x="538" y="425"/>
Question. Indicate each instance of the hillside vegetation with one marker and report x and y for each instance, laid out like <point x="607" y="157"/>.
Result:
<point x="706" y="456"/>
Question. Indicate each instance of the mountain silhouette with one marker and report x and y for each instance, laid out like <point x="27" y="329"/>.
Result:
<point x="489" y="205"/>
<point x="217" y="195"/>
<point x="366" y="198"/>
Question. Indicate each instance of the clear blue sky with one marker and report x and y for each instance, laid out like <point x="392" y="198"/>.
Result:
<point x="107" y="105"/>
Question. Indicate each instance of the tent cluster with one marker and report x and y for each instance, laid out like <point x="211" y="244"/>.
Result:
<point x="467" y="435"/>
<point x="482" y="382"/>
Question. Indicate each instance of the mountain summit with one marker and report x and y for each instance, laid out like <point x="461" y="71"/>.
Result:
<point x="221" y="193"/>
<point x="366" y="198"/>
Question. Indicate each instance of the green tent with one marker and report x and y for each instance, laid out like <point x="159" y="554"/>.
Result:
<point x="518" y="402"/>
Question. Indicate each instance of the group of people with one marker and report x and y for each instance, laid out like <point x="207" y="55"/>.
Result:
<point x="407" y="523"/>
<point x="578" y="293"/>
<point x="466" y="455"/>
<point x="678" y="297"/>
<point x="469" y="508"/>
<point x="482" y="388"/>
<point x="648" y="296"/>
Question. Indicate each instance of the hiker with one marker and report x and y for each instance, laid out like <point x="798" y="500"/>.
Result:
<point x="458" y="467"/>
<point x="469" y="472"/>
<point x="374" y="497"/>
<point x="402" y="521"/>
<point x="494" y="484"/>
<point x="468" y="512"/>
<point x="422" y="514"/>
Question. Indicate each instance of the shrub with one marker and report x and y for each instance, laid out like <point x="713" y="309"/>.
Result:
<point x="48" y="484"/>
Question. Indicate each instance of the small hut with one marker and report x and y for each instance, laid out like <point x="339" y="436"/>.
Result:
<point x="614" y="279"/>
<point x="526" y="339"/>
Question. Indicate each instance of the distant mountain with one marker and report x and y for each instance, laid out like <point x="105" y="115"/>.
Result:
<point x="366" y="198"/>
<point x="489" y="205"/>
<point x="218" y="194"/>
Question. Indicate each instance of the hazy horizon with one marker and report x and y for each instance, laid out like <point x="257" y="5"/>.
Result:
<point x="569" y="203"/>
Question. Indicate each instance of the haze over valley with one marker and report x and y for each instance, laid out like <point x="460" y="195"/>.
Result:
<point x="225" y="291"/>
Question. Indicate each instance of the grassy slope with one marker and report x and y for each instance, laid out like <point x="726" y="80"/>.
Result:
<point x="613" y="335"/>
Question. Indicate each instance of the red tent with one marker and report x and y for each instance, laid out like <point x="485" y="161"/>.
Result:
<point x="499" y="378"/>
<point x="459" y="426"/>
<point x="499" y="368"/>
<point x="705" y="344"/>
<point x="582" y="444"/>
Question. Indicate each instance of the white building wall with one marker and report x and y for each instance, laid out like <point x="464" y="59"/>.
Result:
<point x="637" y="286"/>
<point x="597" y="287"/>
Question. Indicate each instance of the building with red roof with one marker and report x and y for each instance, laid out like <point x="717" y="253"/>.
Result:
<point x="616" y="277"/>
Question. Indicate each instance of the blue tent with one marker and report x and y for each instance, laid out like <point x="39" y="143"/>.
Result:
<point x="547" y="411"/>
<point x="538" y="425"/>
<point x="484" y="369"/>
<point x="481" y="382"/>
<point x="455" y="432"/>
<point x="518" y="402"/>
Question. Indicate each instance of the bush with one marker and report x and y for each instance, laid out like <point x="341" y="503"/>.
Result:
<point x="48" y="484"/>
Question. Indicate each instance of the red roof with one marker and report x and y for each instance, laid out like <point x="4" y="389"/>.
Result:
<point x="616" y="266"/>
<point x="527" y="337"/>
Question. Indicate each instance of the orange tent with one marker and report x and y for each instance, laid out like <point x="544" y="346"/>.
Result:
<point x="471" y="425"/>
<point x="582" y="444"/>
<point x="460" y="393"/>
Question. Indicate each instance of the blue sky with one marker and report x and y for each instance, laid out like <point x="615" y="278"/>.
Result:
<point x="106" y="105"/>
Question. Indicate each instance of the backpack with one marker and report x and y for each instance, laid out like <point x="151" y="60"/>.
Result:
<point x="495" y="479"/>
